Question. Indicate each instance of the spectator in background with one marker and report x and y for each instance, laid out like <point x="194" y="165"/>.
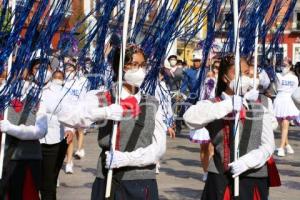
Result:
<point x="190" y="75"/>
<point x="170" y="73"/>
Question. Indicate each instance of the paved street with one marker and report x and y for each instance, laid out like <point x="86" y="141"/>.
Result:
<point x="180" y="176"/>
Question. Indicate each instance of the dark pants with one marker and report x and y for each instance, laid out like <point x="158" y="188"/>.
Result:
<point x="127" y="190"/>
<point x="216" y="184"/>
<point x="53" y="158"/>
<point x="13" y="182"/>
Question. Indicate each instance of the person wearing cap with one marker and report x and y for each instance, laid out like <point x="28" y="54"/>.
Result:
<point x="189" y="81"/>
<point x="190" y="75"/>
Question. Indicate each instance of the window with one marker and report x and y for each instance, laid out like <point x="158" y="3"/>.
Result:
<point x="296" y="53"/>
<point x="280" y="54"/>
<point x="298" y="20"/>
<point x="225" y="19"/>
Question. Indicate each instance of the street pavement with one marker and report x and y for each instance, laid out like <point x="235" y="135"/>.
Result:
<point x="180" y="173"/>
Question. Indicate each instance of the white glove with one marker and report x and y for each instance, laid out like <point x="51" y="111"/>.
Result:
<point x="237" y="103"/>
<point x="116" y="160"/>
<point x="114" y="112"/>
<point x="251" y="95"/>
<point x="7" y="127"/>
<point x="238" y="167"/>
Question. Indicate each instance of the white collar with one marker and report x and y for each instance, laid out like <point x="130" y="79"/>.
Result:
<point x="125" y="94"/>
<point x="226" y="96"/>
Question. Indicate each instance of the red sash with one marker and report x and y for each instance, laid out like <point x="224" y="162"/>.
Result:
<point x="273" y="174"/>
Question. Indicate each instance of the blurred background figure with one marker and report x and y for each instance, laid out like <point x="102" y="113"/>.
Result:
<point x="76" y="86"/>
<point x="285" y="109"/>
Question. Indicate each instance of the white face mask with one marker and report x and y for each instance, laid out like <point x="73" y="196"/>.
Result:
<point x="173" y="63"/>
<point x="246" y="84"/>
<point x="57" y="82"/>
<point x="285" y="70"/>
<point x="256" y="83"/>
<point x="70" y="75"/>
<point x="134" y="77"/>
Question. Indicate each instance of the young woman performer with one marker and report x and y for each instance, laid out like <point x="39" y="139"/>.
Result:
<point x="256" y="137"/>
<point x="285" y="109"/>
<point x="53" y="136"/>
<point x="22" y="162"/>
<point x="201" y="136"/>
<point x="141" y="139"/>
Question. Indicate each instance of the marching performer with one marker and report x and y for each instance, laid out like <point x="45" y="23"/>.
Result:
<point x="53" y="138"/>
<point x="256" y="140"/>
<point x="23" y="155"/>
<point x="201" y="136"/>
<point x="141" y="139"/>
<point x="76" y="87"/>
<point x="285" y="109"/>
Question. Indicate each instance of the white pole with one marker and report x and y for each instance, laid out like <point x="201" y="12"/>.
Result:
<point x="3" y="137"/>
<point x="120" y="83"/>
<point x="237" y="88"/>
<point x="255" y="56"/>
<point x="135" y="9"/>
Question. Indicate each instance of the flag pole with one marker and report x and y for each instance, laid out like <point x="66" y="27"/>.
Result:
<point x="9" y="66"/>
<point x="237" y="89"/>
<point x="120" y="83"/>
<point x="255" y="57"/>
<point x="135" y="9"/>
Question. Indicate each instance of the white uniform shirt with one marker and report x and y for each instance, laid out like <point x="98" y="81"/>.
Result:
<point x="204" y="112"/>
<point x="76" y="88"/>
<point x="52" y="96"/>
<point x="81" y="116"/>
<point x="286" y="84"/>
<point x="47" y="125"/>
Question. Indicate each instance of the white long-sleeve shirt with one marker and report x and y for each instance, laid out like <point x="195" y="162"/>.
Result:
<point x="204" y="112"/>
<point x="52" y="96"/>
<point x="47" y="128"/>
<point x="32" y="132"/>
<point x="83" y="115"/>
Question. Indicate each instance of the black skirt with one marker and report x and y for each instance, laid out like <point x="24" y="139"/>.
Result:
<point x="126" y="190"/>
<point x="216" y="185"/>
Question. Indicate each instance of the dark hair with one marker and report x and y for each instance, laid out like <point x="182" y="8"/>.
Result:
<point x="297" y="69"/>
<point x="68" y="65"/>
<point x="58" y="72"/>
<point x="130" y="51"/>
<point x="179" y="62"/>
<point x="35" y="62"/>
<point x="172" y="56"/>
<point x="225" y="64"/>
